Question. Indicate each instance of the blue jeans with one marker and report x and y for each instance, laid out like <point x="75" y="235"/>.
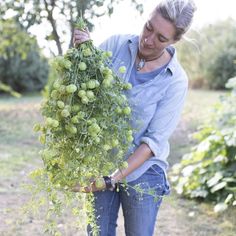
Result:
<point x="139" y="209"/>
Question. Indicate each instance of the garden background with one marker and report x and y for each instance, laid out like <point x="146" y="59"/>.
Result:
<point x="209" y="58"/>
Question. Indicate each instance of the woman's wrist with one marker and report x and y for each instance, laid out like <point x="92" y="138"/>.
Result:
<point x="110" y="182"/>
<point x="117" y="175"/>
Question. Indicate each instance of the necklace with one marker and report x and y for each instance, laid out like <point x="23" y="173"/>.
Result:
<point x="142" y="61"/>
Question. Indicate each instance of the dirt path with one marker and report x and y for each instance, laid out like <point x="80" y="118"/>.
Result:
<point x="18" y="145"/>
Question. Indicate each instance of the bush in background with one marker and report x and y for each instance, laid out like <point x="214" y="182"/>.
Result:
<point x="208" y="172"/>
<point x="22" y="66"/>
<point x="209" y="56"/>
<point x="221" y="67"/>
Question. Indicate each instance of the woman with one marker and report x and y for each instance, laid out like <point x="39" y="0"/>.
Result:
<point x="157" y="98"/>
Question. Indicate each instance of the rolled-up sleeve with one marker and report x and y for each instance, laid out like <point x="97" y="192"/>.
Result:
<point x="166" y="117"/>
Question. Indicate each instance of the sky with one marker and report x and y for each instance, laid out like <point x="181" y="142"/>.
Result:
<point x="126" y="20"/>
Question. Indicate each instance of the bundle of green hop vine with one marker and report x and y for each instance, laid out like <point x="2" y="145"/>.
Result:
<point x="86" y="130"/>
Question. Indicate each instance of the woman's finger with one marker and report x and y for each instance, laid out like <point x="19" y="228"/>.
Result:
<point x="87" y="189"/>
<point x="80" y="36"/>
<point x="76" y="188"/>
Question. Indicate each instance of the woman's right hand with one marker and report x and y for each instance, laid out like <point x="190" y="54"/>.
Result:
<point x="80" y="36"/>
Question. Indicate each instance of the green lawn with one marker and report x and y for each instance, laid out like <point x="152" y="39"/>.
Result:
<point x="19" y="149"/>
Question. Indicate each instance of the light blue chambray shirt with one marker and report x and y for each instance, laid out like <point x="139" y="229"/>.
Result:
<point x="156" y="104"/>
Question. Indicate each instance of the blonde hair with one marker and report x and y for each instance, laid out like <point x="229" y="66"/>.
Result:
<point x="179" y="13"/>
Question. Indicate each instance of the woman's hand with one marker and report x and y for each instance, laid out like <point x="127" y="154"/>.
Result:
<point x="95" y="185"/>
<point x="81" y="36"/>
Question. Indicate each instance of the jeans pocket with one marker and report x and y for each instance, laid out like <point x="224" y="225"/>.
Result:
<point x="152" y="184"/>
<point x="165" y="183"/>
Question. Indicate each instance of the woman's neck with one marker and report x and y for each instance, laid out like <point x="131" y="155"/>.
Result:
<point x="148" y="65"/>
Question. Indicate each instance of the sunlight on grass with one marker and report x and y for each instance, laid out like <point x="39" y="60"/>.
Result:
<point x="200" y="105"/>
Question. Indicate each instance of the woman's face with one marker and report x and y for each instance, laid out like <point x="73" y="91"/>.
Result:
<point x="157" y="34"/>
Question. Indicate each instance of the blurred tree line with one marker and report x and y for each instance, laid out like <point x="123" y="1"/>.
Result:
<point x="59" y="15"/>
<point x="22" y="65"/>
<point x="208" y="56"/>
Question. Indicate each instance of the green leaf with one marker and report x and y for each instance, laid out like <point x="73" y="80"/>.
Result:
<point x="215" y="179"/>
<point x="220" y="207"/>
<point x="229" y="198"/>
<point x="199" y="193"/>
<point x="218" y="187"/>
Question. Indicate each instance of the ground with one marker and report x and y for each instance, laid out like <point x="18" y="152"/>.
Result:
<point x="19" y="155"/>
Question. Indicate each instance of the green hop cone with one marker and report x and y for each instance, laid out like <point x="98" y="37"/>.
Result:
<point x="83" y="86"/>
<point x="60" y="104"/>
<point x="42" y="139"/>
<point x="90" y="94"/>
<point x="36" y="127"/>
<point x="75" y="120"/>
<point x="91" y="84"/>
<point x="56" y="85"/>
<point x="115" y="142"/>
<point x="65" y="113"/>
<point x="127" y="110"/>
<point x="82" y="66"/>
<point x="100" y="183"/>
<point x="71" y="88"/>
<point x="127" y="86"/>
<point x="122" y="69"/>
<point x="87" y="52"/>
<point x="82" y="93"/>
<point x="55" y="123"/>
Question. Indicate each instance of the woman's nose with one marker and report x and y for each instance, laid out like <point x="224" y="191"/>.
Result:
<point x="149" y="40"/>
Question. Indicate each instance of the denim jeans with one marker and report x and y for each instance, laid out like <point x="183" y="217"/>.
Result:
<point x="140" y="207"/>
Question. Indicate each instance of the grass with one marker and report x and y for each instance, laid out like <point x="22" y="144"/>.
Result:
<point x="198" y="108"/>
<point x="19" y="149"/>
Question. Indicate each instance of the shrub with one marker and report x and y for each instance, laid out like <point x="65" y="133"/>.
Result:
<point x="208" y="172"/>
<point x="208" y="57"/>
<point x="21" y="65"/>
<point x="220" y="68"/>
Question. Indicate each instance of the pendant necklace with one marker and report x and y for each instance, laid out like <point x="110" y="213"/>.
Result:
<point x="142" y="61"/>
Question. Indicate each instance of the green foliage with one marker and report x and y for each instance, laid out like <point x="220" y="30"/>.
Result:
<point x="21" y="65"/>
<point x="8" y="89"/>
<point x="86" y="130"/>
<point x="189" y="54"/>
<point x="31" y="13"/>
<point x="208" y="172"/>
<point x="85" y="106"/>
<point x="221" y="68"/>
<point x="209" y="57"/>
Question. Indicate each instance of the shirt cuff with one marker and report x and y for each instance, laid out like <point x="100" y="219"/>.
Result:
<point x="152" y="145"/>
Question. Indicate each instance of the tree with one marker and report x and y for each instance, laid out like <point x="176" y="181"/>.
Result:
<point x="221" y="53"/>
<point x="22" y="67"/>
<point x="51" y="13"/>
<point x="221" y="68"/>
<point x="209" y="58"/>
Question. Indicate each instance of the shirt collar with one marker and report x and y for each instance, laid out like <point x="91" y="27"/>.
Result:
<point x="172" y="65"/>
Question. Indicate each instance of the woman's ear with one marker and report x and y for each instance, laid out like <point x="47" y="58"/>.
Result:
<point x="176" y="40"/>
